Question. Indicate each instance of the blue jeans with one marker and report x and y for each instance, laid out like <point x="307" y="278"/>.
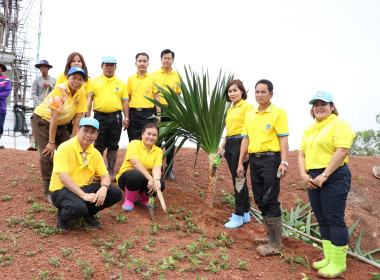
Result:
<point x="329" y="204"/>
<point x="2" y="120"/>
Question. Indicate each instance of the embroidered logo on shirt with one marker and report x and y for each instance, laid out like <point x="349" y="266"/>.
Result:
<point x="327" y="128"/>
<point x="117" y="89"/>
<point x="76" y="101"/>
<point x="267" y="127"/>
<point x="237" y="111"/>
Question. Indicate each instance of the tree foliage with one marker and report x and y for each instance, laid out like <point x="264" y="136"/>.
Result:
<point x="367" y="142"/>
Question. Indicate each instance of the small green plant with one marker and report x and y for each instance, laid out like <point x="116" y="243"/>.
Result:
<point x="6" y="197"/>
<point x="87" y="270"/>
<point x="228" y="199"/>
<point x="54" y="261"/>
<point x="43" y="274"/>
<point x="298" y="201"/>
<point x="36" y="207"/>
<point x="121" y="218"/>
<point x="242" y="265"/>
<point x="154" y="228"/>
<point x="292" y="184"/>
<point x="30" y="199"/>
<point x="303" y="186"/>
<point x="196" y="174"/>
<point x="140" y="231"/>
<point x="201" y="193"/>
<point x="294" y="261"/>
<point x="223" y="239"/>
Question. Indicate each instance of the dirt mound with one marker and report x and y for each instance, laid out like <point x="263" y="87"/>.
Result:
<point x="187" y="243"/>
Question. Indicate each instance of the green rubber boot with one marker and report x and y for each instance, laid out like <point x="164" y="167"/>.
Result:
<point x="337" y="265"/>
<point x="326" y="251"/>
<point x="265" y="239"/>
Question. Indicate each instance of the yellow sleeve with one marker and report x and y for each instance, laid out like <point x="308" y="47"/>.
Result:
<point x="61" y="160"/>
<point x="154" y="82"/>
<point x="88" y="86"/>
<point x="281" y="124"/>
<point x="61" y="79"/>
<point x="129" y="87"/>
<point x="82" y="106"/>
<point x="343" y="135"/>
<point x="100" y="168"/>
<point x="133" y="150"/>
<point x="124" y="94"/>
<point x="244" y="132"/>
<point x="158" y="160"/>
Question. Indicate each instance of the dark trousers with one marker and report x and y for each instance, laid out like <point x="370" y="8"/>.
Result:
<point x="109" y="131"/>
<point x="232" y="153"/>
<point x="72" y="206"/>
<point x="134" y="180"/>
<point x="265" y="184"/>
<point x="2" y="120"/>
<point x="170" y="155"/>
<point x="329" y="204"/>
<point x="138" y="119"/>
<point x="40" y="129"/>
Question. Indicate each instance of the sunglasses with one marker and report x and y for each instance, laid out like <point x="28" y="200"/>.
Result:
<point x="84" y="159"/>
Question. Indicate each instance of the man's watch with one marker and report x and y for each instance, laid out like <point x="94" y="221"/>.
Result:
<point x="324" y="175"/>
<point x="108" y="187"/>
<point x="285" y="163"/>
<point x="127" y="119"/>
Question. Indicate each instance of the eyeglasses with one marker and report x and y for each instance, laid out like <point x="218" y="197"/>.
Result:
<point x="84" y="159"/>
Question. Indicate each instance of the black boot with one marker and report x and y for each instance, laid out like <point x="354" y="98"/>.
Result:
<point x="111" y="160"/>
<point x="169" y="173"/>
<point x="46" y="184"/>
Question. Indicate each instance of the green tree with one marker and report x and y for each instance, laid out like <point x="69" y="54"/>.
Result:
<point x="367" y="142"/>
<point x="198" y="116"/>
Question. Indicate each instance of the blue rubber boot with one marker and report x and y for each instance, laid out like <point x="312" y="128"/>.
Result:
<point x="235" y="221"/>
<point x="246" y="217"/>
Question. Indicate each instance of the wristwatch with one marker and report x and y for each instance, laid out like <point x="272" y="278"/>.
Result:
<point x="285" y="163"/>
<point x="108" y="187"/>
<point x="324" y="175"/>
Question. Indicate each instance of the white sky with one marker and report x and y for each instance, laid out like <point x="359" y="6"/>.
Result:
<point x="301" y="46"/>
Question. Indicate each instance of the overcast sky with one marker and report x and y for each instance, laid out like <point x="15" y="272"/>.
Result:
<point x="301" y="46"/>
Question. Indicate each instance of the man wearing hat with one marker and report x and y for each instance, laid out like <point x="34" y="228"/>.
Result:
<point x="44" y="84"/>
<point x="41" y="87"/>
<point x="5" y="90"/>
<point x="73" y="191"/>
<point x="110" y="97"/>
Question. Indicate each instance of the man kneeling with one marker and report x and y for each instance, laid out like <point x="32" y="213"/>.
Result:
<point x="76" y="163"/>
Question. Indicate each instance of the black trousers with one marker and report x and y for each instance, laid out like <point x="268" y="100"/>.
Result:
<point x="265" y="184"/>
<point x="134" y="180"/>
<point x="138" y="119"/>
<point x="109" y="131"/>
<point x="232" y="153"/>
<point x="170" y="155"/>
<point x="73" y="207"/>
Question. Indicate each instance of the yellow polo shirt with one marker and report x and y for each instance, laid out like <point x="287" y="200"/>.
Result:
<point x="108" y="94"/>
<point x="235" y="117"/>
<point x="138" y="88"/>
<point x="264" y="128"/>
<point x="68" y="159"/>
<point x="87" y="85"/>
<point x="136" y="150"/>
<point x="320" y="140"/>
<point x="170" y="79"/>
<point x="61" y="100"/>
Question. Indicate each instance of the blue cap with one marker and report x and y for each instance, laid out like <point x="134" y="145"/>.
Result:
<point x="322" y="95"/>
<point x="89" y="121"/>
<point x="109" y="59"/>
<point x="77" y="69"/>
<point x="43" y="62"/>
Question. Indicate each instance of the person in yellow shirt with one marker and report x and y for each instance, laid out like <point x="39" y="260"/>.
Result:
<point x="110" y="97"/>
<point x="140" y="173"/>
<point x="265" y="138"/>
<point x="235" y="92"/>
<point x="66" y="102"/>
<point x="75" y="59"/>
<point x="73" y="192"/>
<point x="322" y="163"/>
<point x="139" y="86"/>
<point x="166" y="76"/>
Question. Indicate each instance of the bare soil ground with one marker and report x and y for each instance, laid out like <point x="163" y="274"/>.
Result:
<point x="189" y="242"/>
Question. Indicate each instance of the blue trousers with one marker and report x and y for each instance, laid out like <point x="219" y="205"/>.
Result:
<point x="329" y="204"/>
<point x="2" y="120"/>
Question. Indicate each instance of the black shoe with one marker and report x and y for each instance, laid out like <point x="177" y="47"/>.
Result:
<point x="62" y="224"/>
<point x="93" y="222"/>
<point x="1" y="147"/>
<point x="170" y="175"/>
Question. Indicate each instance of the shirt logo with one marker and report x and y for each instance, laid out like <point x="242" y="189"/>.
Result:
<point x="147" y="91"/>
<point x="117" y="89"/>
<point x="326" y="129"/>
<point x="267" y="127"/>
<point x="76" y="101"/>
<point x="237" y="111"/>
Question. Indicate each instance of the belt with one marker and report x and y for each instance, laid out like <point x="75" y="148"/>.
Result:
<point x="234" y="137"/>
<point x="264" y="154"/>
<point x="108" y="114"/>
<point x="141" y="109"/>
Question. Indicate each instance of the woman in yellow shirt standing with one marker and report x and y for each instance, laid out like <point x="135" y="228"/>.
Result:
<point x="66" y="102"/>
<point x="75" y="59"/>
<point x="140" y="173"/>
<point x="230" y="148"/>
<point x="322" y="162"/>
